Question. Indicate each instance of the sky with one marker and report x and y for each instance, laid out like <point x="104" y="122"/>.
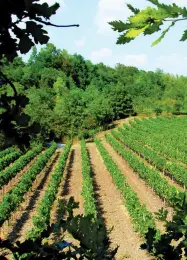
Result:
<point x="96" y="41"/>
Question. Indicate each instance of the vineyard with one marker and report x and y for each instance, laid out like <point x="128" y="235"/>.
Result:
<point x="121" y="179"/>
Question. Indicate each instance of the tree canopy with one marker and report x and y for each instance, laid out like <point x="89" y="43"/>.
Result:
<point x="65" y="95"/>
<point x="149" y="21"/>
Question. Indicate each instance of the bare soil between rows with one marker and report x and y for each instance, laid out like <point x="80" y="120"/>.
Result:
<point x="71" y="184"/>
<point x="145" y="194"/>
<point x="113" y="211"/>
<point x="21" y="220"/>
<point x="6" y="188"/>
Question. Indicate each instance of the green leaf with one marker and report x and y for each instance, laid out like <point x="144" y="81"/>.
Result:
<point x="122" y="39"/>
<point x="173" y="10"/>
<point x="154" y="2"/>
<point x="162" y="35"/>
<point x="161" y="214"/>
<point x="25" y="44"/>
<point x="133" y="33"/>
<point x="147" y="17"/>
<point x="184" y="12"/>
<point x="120" y="26"/>
<point x="134" y="10"/>
<point x="184" y="37"/>
<point x="155" y="27"/>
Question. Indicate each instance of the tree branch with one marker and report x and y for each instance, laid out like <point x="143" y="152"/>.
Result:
<point x="55" y="25"/>
<point x="9" y="82"/>
<point x="174" y="20"/>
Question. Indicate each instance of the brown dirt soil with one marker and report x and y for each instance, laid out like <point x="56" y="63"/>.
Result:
<point x="113" y="211"/>
<point x="55" y="211"/>
<point x="71" y="183"/>
<point x="6" y="188"/>
<point x="21" y="220"/>
<point x="144" y="192"/>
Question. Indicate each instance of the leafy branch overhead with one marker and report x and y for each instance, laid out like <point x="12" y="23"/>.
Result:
<point x="15" y="38"/>
<point x="150" y="20"/>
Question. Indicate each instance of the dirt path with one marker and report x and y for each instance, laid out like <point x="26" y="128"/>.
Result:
<point x="22" y="220"/>
<point x="71" y="184"/>
<point x="144" y="192"/>
<point x="6" y="188"/>
<point x="114" y="212"/>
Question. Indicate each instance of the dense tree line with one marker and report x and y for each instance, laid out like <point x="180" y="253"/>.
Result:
<point x="69" y="96"/>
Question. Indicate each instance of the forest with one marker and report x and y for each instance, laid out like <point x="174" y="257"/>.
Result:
<point x="67" y="96"/>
